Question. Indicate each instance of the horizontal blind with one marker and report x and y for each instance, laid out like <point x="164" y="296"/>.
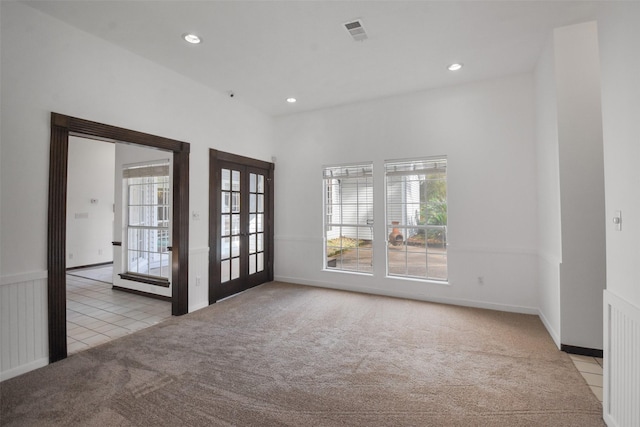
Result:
<point x="416" y="167"/>
<point x="351" y="171"/>
<point x="159" y="169"/>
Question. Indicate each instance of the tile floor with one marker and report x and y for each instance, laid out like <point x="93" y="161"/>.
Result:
<point x="591" y="370"/>
<point x="97" y="314"/>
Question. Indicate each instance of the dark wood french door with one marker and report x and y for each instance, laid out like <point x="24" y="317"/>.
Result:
<point x="240" y="224"/>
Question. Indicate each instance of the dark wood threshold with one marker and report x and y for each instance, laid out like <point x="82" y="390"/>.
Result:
<point x="100" y="264"/>
<point x="142" y="293"/>
<point x="583" y="351"/>
<point x="145" y="279"/>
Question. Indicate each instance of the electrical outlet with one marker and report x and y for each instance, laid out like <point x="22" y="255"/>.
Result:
<point x="480" y="280"/>
<point x="70" y="256"/>
<point x="197" y="280"/>
<point x="99" y="251"/>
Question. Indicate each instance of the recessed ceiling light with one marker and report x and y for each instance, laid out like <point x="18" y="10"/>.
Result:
<point x="454" y="67"/>
<point x="291" y="100"/>
<point x="191" y="38"/>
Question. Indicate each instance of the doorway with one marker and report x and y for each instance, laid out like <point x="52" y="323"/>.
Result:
<point x="62" y="127"/>
<point x="240" y="224"/>
<point x="102" y="306"/>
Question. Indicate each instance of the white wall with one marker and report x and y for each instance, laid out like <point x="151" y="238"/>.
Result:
<point x="582" y="272"/>
<point x="90" y="177"/>
<point x="487" y="131"/>
<point x="570" y="186"/>
<point x="49" y="66"/>
<point x="620" y="62"/>
<point x="549" y="224"/>
<point x="619" y="38"/>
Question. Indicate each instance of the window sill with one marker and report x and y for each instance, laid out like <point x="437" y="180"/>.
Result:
<point x="419" y="279"/>
<point x="337" y="270"/>
<point x="145" y="279"/>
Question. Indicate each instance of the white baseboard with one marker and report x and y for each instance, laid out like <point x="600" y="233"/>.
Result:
<point x="554" y="334"/>
<point x="23" y="369"/>
<point x="407" y="295"/>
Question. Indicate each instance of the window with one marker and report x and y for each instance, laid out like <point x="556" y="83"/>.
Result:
<point x="348" y="213"/>
<point x="147" y="192"/>
<point x="328" y="204"/>
<point x="416" y="214"/>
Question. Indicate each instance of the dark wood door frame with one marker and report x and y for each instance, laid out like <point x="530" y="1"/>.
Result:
<point x="62" y="127"/>
<point x="215" y="157"/>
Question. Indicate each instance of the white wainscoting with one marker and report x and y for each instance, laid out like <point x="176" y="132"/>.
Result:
<point x="198" y="278"/>
<point x="24" y="343"/>
<point x="621" y="398"/>
<point x="23" y="324"/>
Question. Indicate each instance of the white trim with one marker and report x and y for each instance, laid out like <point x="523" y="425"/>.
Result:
<point x="629" y="309"/>
<point x="632" y="312"/>
<point x="606" y="354"/>
<point x="23" y="369"/>
<point x="354" y="272"/>
<point x="419" y="279"/>
<point x="554" y="334"/>
<point x="408" y="295"/>
<point x="23" y="277"/>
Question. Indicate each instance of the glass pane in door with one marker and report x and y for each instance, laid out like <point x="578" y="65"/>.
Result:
<point x="230" y="225"/>
<point x="256" y="219"/>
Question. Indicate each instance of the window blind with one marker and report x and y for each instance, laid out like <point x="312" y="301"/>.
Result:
<point x="351" y="171"/>
<point x="416" y="167"/>
<point x="159" y="169"/>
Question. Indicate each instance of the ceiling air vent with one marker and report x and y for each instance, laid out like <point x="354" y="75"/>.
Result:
<point x="356" y="29"/>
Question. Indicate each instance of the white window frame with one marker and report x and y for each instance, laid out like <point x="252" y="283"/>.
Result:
<point x="158" y="236"/>
<point x="350" y="221"/>
<point x="406" y="223"/>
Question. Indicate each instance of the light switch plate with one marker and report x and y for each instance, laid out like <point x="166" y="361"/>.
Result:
<point x="617" y="220"/>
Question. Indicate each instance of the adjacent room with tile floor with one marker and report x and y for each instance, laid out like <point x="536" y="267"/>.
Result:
<point x="96" y="313"/>
<point x="591" y="370"/>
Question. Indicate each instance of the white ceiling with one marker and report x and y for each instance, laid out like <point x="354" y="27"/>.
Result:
<point x="267" y="51"/>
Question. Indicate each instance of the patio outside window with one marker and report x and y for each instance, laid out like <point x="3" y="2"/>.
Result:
<point x="416" y="215"/>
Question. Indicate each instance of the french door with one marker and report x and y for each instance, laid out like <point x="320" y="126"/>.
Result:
<point x="240" y="224"/>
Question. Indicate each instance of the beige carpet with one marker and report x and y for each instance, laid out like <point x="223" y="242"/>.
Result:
<point x="290" y="355"/>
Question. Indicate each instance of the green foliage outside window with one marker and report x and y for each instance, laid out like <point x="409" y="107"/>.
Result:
<point x="433" y="207"/>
